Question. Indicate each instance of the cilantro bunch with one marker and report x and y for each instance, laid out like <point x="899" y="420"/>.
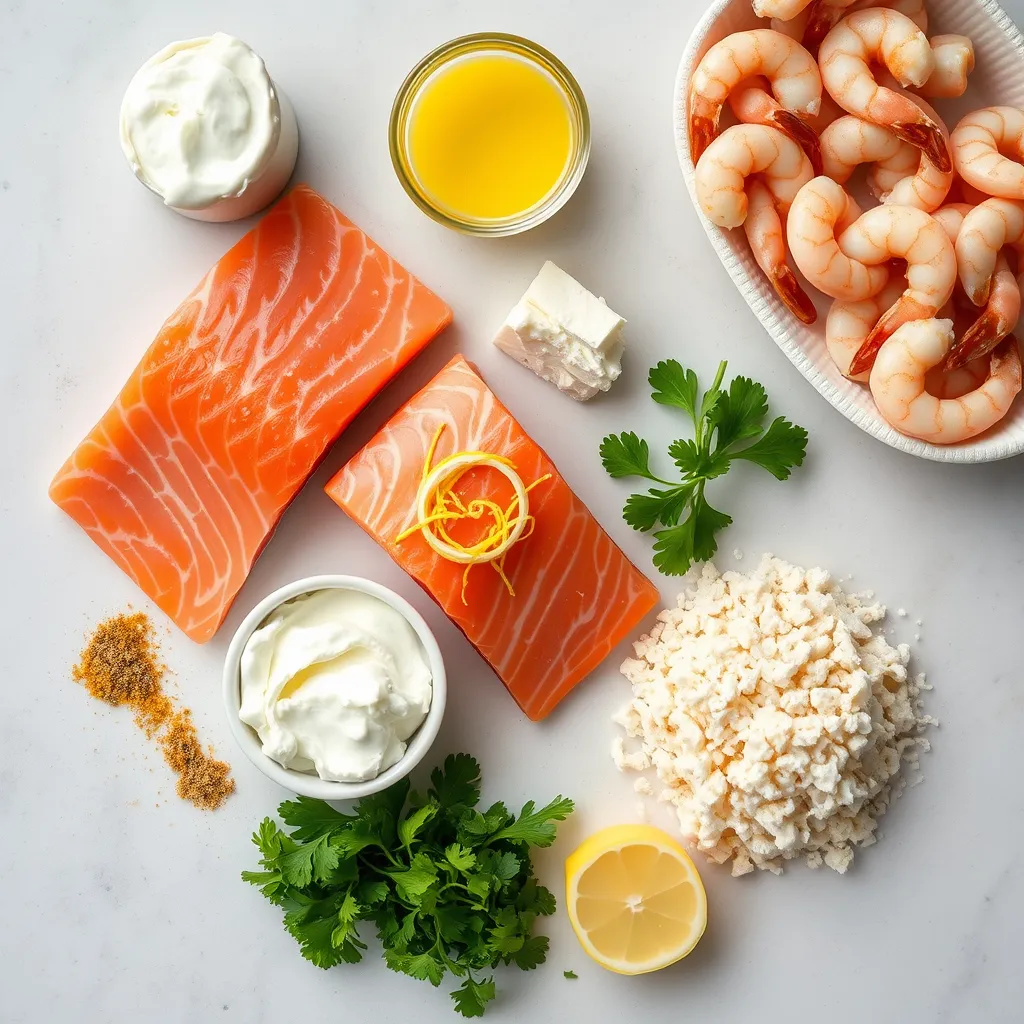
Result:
<point x="723" y="419"/>
<point x="448" y="888"/>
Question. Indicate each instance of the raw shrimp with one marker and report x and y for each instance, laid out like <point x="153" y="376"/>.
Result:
<point x="752" y="103"/>
<point x="849" y="323"/>
<point x="954" y="61"/>
<point x="979" y="143"/>
<point x="789" y="68"/>
<point x="890" y="38"/>
<point x="1002" y="311"/>
<point x="898" y="385"/>
<point x="765" y="233"/>
<point x="740" y="151"/>
<point x="984" y="232"/>
<point x="901" y="232"/>
<point x="822" y="209"/>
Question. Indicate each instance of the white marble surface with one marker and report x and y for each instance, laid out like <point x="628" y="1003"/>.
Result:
<point x="122" y="903"/>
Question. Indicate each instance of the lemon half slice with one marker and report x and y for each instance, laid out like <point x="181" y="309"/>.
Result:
<point x="635" y="899"/>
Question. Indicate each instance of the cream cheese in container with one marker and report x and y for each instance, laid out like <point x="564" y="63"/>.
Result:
<point x="204" y="127"/>
<point x="335" y="681"/>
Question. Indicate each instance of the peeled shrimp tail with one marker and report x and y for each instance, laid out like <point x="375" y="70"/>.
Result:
<point x="999" y="318"/>
<point x="905" y="311"/>
<point x="801" y="133"/>
<point x="822" y="17"/>
<point x="849" y="323"/>
<point x="928" y="138"/>
<point x="887" y="37"/>
<point x="753" y="103"/>
<point x="763" y="228"/>
<point x="954" y="62"/>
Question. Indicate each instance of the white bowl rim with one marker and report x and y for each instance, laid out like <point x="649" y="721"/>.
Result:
<point x="987" y="448"/>
<point x="304" y="783"/>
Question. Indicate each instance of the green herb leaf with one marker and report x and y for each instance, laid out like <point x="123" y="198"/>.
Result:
<point x="537" y="827"/>
<point x="311" y="819"/>
<point x="697" y="462"/>
<point x="460" y="857"/>
<point x="472" y="997"/>
<point x="372" y="892"/>
<point x="723" y="418"/>
<point x="572" y="975"/>
<point x="417" y="965"/>
<point x="676" y="549"/>
<point x="409" y="827"/>
<point x="782" y="447"/>
<point x="626" y="455"/>
<point x="532" y="953"/>
<point x="740" y="412"/>
<point x="672" y="385"/>
<point x="458" y="784"/>
<point x="379" y="813"/>
<point x="315" y="860"/>
<point x="416" y="879"/>
<point x="645" y="511"/>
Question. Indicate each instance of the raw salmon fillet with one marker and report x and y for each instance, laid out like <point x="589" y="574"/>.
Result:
<point x="244" y="389"/>
<point x="576" y="594"/>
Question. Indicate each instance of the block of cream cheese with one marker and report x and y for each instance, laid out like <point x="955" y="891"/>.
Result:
<point x="564" y="334"/>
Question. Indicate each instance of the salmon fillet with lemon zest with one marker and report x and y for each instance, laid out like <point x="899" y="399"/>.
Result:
<point x="574" y="595"/>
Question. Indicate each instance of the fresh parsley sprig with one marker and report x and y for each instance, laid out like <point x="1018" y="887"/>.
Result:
<point x="723" y="419"/>
<point x="449" y="888"/>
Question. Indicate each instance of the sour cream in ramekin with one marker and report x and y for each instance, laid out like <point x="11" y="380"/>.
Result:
<point x="335" y="681"/>
<point x="205" y="128"/>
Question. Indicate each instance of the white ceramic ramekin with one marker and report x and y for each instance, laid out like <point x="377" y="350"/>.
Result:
<point x="999" y="48"/>
<point x="306" y="783"/>
<point x="267" y="185"/>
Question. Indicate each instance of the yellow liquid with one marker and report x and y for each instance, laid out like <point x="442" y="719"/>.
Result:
<point x="490" y="136"/>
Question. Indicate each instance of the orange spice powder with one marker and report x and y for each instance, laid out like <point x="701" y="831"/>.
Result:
<point x="120" y="665"/>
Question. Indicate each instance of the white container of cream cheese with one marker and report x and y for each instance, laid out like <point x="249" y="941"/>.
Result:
<point x="362" y="647"/>
<point x="205" y="128"/>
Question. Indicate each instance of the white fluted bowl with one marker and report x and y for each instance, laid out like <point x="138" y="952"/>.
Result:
<point x="998" y="78"/>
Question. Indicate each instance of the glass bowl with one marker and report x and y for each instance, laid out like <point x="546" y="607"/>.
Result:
<point x="480" y="43"/>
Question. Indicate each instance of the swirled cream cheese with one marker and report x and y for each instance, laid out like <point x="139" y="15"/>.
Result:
<point x="336" y="682"/>
<point x="204" y="127"/>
